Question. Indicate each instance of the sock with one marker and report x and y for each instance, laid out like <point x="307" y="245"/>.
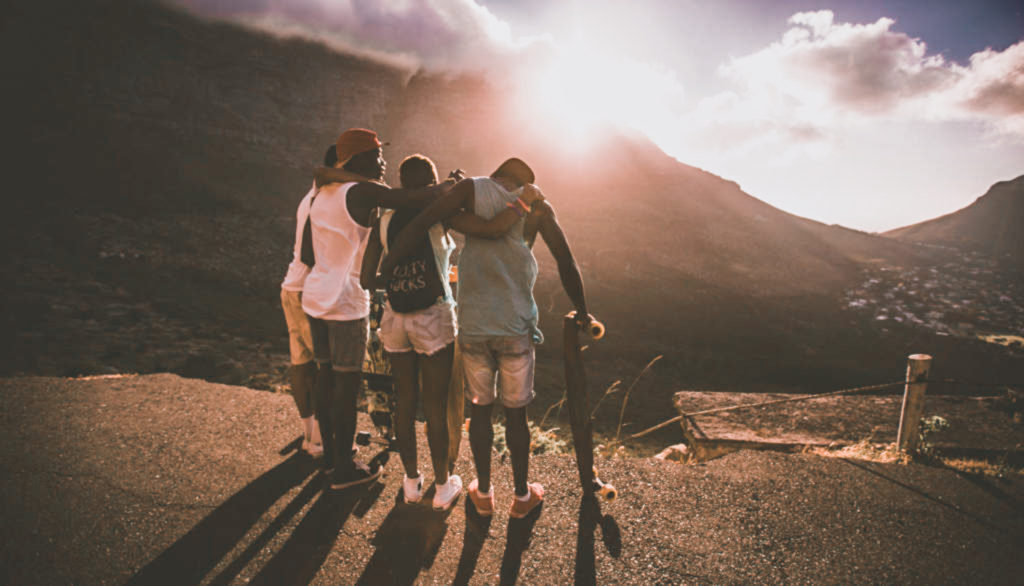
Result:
<point x="523" y="499"/>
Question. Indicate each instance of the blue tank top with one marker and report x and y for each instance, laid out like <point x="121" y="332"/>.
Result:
<point x="496" y="277"/>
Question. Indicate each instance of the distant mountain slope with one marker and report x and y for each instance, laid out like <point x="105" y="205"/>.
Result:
<point x="992" y="224"/>
<point x="633" y="212"/>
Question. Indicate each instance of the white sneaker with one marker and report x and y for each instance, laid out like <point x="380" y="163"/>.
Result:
<point x="412" y="489"/>
<point x="446" y="494"/>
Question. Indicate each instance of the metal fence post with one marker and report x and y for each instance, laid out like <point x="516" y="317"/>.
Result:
<point x="918" y="366"/>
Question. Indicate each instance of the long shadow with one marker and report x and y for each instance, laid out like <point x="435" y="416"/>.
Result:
<point x="517" y="541"/>
<point x="993" y="491"/>
<point x="589" y="518"/>
<point x="300" y="558"/>
<point x="477" y="531"/>
<point x="407" y="540"/>
<point x="924" y="494"/>
<point x="197" y="552"/>
<point x="305" y="495"/>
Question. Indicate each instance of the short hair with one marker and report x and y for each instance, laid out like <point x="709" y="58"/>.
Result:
<point x="516" y="170"/>
<point x="331" y="156"/>
<point x="417" y="171"/>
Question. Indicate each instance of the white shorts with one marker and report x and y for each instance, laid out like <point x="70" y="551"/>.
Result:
<point x="425" y="331"/>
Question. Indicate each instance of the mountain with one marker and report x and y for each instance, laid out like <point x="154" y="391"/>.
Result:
<point x="156" y="160"/>
<point x="992" y="224"/>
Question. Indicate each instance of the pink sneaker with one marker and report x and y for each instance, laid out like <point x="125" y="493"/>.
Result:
<point x="484" y="504"/>
<point x="520" y="508"/>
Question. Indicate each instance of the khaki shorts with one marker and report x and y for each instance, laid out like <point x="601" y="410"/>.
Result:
<point x="425" y="331"/>
<point x="300" y="339"/>
<point x="340" y="343"/>
<point x="510" y="360"/>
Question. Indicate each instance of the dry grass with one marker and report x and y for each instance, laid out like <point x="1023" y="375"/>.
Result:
<point x="997" y="467"/>
<point x="863" y="450"/>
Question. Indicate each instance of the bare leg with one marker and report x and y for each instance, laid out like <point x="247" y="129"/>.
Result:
<point x="517" y="436"/>
<point x="343" y="413"/>
<point x="404" y="369"/>
<point x="481" y="438"/>
<point x="302" y="379"/>
<point x="322" y="403"/>
<point x="437" y="374"/>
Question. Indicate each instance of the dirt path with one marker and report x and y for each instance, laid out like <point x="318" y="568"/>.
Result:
<point x="160" y="479"/>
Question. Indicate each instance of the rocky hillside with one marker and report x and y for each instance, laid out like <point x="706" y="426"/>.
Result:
<point x="157" y="160"/>
<point x="991" y="224"/>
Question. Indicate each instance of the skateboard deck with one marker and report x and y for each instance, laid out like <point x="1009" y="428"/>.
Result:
<point x="456" y="409"/>
<point x="579" y="407"/>
<point x="378" y="383"/>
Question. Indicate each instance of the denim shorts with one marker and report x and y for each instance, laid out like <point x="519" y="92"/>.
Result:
<point x="425" y="331"/>
<point x="340" y="343"/>
<point x="499" y="368"/>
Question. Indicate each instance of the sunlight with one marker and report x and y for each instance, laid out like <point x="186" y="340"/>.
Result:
<point x="583" y="88"/>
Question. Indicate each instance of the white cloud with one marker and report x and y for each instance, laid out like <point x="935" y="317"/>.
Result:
<point x="993" y="87"/>
<point x="436" y="34"/>
<point x="824" y="75"/>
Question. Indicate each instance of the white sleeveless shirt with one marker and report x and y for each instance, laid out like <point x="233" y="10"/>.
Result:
<point x="332" y="289"/>
<point x="295" y="278"/>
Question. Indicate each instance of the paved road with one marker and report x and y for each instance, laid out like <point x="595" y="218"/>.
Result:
<point x="158" y="479"/>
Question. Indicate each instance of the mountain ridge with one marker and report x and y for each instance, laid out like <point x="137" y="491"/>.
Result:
<point x="991" y="224"/>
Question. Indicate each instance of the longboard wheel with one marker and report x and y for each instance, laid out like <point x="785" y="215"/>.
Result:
<point x="596" y="330"/>
<point x="363" y="438"/>
<point x="608" y="492"/>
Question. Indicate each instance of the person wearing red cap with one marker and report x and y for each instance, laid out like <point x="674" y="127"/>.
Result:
<point x="337" y="306"/>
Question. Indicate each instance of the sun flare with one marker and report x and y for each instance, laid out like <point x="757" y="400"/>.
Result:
<point x="583" y="88"/>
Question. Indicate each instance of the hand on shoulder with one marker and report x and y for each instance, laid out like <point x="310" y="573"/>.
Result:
<point x="531" y="193"/>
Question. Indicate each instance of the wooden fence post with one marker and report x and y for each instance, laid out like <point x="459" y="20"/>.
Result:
<point x="918" y="366"/>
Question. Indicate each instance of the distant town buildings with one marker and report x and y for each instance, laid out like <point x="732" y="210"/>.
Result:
<point x="968" y="297"/>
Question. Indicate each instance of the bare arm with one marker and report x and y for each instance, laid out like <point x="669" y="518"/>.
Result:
<point x="460" y="198"/>
<point x="568" y="270"/>
<point x="473" y="225"/>
<point x="532" y="224"/>
<point x="324" y="175"/>
<point x="444" y="207"/>
<point x="371" y="258"/>
<point x="370" y="195"/>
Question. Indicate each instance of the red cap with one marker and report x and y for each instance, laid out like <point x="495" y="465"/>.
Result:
<point x="354" y="141"/>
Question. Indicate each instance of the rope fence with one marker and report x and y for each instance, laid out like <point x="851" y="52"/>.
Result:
<point x="914" y="385"/>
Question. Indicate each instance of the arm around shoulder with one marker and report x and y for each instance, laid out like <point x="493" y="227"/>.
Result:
<point x="568" y="271"/>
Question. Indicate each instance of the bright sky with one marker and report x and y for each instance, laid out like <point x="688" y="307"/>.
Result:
<point x="872" y="114"/>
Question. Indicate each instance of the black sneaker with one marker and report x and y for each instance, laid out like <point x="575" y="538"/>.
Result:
<point x="359" y="474"/>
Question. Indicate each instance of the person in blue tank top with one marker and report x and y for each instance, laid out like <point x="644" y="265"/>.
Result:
<point x="498" y="315"/>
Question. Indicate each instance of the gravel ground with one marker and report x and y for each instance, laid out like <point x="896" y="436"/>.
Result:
<point x="160" y="479"/>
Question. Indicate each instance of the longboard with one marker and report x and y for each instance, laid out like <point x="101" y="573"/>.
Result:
<point x="579" y="407"/>
<point x="456" y="409"/>
<point x="378" y="382"/>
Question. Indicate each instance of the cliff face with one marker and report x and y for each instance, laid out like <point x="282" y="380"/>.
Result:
<point x="991" y="224"/>
<point x="140" y="106"/>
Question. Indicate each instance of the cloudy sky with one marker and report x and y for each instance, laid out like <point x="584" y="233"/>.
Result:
<point x="872" y="114"/>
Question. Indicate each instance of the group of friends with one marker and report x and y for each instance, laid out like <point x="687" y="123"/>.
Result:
<point x="355" y="234"/>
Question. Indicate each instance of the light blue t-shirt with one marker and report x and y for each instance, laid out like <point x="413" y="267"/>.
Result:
<point x="496" y="277"/>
